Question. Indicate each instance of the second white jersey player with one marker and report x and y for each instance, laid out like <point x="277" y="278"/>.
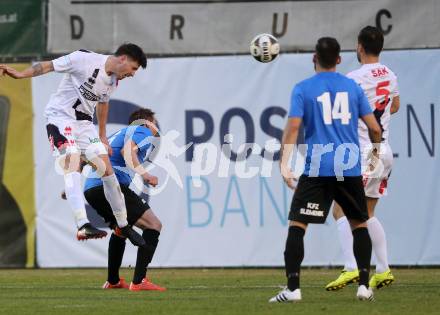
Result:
<point x="380" y="86"/>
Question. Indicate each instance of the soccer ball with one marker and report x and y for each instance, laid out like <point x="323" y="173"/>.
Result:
<point x="265" y="48"/>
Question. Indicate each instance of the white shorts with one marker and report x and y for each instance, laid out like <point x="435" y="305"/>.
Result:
<point x="376" y="183"/>
<point x="74" y="136"/>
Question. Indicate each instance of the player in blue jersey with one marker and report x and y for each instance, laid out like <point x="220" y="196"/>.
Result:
<point x="130" y="146"/>
<point x="329" y="105"/>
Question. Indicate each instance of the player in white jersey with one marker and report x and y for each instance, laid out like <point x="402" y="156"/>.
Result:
<point x="89" y="79"/>
<point x="380" y="86"/>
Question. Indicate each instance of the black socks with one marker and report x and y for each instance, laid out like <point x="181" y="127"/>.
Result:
<point x="116" y="249"/>
<point x="362" y="253"/>
<point x="145" y="254"/>
<point x="294" y="255"/>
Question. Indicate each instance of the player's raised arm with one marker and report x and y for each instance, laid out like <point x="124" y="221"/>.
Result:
<point x="36" y="70"/>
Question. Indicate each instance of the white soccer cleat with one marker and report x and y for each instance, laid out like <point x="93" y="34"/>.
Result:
<point x="287" y="296"/>
<point x="364" y="294"/>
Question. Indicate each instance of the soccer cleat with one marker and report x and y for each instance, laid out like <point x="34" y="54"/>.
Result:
<point x="120" y="285"/>
<point x="287" y="296"/>
<point x="88" y="231"/>
<point x="135" y="238"/>
<point x="380" y="280"/>
<point x="364" y="293"/>
<point x="145" y="285"/>
<point x="346" y="277"/>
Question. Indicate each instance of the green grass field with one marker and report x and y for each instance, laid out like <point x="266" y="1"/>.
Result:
<point x="209" y="291"/>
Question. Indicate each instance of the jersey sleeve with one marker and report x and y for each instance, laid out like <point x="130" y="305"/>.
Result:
<point x="68" y="63"/>
<point x="296" y="103"/>
<point x="140" y="137"/>
<point x="364" y="105"/>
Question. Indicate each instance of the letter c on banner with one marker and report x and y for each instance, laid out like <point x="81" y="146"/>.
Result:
<point x="379" y="15"/>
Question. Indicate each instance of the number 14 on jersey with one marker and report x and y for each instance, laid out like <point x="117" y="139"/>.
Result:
<point x="340" y="108"/>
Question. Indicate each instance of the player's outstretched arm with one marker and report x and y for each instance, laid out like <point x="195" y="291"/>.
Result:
<point x="290" y="136"/>
<point x="36" y="70"/>
<point x="395" y="105"/>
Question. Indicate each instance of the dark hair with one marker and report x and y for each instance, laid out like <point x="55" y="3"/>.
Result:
<point x="134" y="52"/>
<point x="327" y="51"/>
<point x="143" y="113"/>
<point x="371" y="39"/>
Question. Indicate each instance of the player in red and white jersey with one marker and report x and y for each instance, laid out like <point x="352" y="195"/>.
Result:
<point x="89" y="80"/>
<point x="380" y="86"/>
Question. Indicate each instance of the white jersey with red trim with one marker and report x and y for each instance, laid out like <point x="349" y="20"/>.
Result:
<point x="380" y="86"/>
<point x="84" y="84"/>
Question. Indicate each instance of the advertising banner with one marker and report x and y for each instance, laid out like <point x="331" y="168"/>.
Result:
<point x="17" y="203"/>
<point x="227" y="27"/>
<point x="224" y="204"/>
<point x="21" y="28"/>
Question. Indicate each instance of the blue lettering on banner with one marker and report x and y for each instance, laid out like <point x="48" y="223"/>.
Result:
<point x="206" y="121"/>
<point x="241" y="209"/>
<point x="280" y="211"/>
<point x="201" y="200"/>
<point x="200" y="210"/>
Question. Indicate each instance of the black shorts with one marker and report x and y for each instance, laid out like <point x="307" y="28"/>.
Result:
<point x="136" y="206"/>
<point x="314" y="196"/>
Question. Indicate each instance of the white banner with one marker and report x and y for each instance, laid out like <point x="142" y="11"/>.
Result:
<point x="233" y="221"/>
<point x="227" y="27"/>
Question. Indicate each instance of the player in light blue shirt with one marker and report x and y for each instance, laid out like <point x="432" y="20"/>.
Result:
<point x="129" y="146"/>
<point x="139" y="134"/>
<point x="329" y="105"/>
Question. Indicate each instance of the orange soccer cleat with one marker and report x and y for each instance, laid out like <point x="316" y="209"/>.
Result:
<point x="120" y="285"/>
<point x="145" y="285"/>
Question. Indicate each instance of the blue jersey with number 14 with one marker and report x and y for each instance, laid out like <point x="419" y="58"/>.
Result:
<point x="330" y="105"/>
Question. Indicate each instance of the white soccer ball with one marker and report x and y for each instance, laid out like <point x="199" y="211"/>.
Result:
<point x="265" y="48"/>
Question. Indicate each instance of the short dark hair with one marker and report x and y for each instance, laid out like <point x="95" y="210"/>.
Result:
<point x="371" y="39"/>
<point x="327" y="51"/>
<point x="143" y="113"/>
<point x="134" y="52"/>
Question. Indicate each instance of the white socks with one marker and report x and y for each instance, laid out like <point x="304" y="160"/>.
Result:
<point x="74" y="195"/>
<point x="115" y="198"/>
<point x="346" y="241"/>
<point x="379" y="242"/>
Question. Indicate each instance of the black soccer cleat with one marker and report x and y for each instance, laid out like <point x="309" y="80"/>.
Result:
<point x="88" y="231"/>
<point x="135" y="238"/>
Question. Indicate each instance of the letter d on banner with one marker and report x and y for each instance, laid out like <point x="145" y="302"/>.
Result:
<point x="76" y="26"/>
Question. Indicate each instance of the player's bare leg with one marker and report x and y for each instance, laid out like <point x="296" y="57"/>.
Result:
<point x="350" y="273"/>
<point x="115" y="198"/>
<point x="383" y="276"/>
<point x="70" y="163"/>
